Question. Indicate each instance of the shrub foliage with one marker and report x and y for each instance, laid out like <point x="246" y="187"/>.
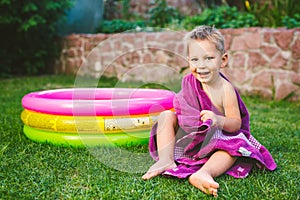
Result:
<point x="221" y="17"/>
<point x="276" y="13"/>
<point x="118" y="25"/>
<point x="271" y="13"/>
<point x="162" y="14"/>
<point x="27" y="34"/>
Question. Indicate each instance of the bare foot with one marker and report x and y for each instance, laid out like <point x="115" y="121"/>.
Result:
<point x="204" y="182"/>
<point x="158" y="168"/>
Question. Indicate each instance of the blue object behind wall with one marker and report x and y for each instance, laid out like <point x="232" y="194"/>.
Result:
<point x="84" y="17"/>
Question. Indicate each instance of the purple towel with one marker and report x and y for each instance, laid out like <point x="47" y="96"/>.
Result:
<point x="197" y="140"/>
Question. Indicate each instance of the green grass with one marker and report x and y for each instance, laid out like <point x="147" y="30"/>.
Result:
<point x="30" y="170"/>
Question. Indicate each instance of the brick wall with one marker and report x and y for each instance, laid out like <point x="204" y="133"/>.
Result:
<point x="262" y="61"/>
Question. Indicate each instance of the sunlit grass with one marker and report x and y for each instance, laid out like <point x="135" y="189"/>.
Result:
<point x="30" y="170"/>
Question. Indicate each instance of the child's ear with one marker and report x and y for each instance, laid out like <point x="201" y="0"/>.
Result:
<point x="224" y="60"/>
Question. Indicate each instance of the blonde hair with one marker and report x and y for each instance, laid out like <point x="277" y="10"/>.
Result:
<point x="209" y="33"/>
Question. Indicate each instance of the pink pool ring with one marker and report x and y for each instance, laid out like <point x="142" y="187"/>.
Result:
<point x="99" y="101"/>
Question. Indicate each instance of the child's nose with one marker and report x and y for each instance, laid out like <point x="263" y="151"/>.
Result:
<point x="200" y="65"/>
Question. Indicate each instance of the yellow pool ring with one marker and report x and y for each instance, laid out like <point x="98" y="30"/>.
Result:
<point x="88" y="124"/>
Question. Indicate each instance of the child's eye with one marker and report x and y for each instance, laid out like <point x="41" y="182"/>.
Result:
<point x="194" y="59"/>
<point x="209" y="58"/>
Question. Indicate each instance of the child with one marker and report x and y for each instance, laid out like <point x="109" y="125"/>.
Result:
<point x="209" y="133"/>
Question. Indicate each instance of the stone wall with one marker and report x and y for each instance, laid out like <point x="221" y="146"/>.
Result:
<point x="262" y="61"/>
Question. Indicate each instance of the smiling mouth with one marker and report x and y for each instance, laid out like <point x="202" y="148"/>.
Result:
<point x="203" y="73"/>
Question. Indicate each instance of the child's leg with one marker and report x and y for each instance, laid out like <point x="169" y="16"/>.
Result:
<point x="216" y="165"/>
<point x="165" y="138"/>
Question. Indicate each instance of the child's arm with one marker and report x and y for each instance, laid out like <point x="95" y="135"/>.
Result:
<point x="231" y="122"/>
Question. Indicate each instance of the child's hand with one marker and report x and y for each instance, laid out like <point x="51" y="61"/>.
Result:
<point x="207" y="114"/>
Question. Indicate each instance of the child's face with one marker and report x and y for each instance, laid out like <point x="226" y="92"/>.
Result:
<point x="205" y="60"/>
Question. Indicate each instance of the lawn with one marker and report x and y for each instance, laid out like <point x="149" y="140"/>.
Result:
<point x="30" y="170"/>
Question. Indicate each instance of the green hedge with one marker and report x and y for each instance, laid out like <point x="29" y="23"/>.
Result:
<point x="27" y="35"/>
<point x="276" y="13"/>
<point x="118" y="26"/>
<point x="273" y="13"/>
<point x="221" y="17"/>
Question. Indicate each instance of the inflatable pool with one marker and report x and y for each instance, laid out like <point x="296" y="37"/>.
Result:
<point x="93" y="116"/>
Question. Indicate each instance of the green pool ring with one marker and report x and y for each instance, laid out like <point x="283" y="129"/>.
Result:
<point x="87" y="140"/>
